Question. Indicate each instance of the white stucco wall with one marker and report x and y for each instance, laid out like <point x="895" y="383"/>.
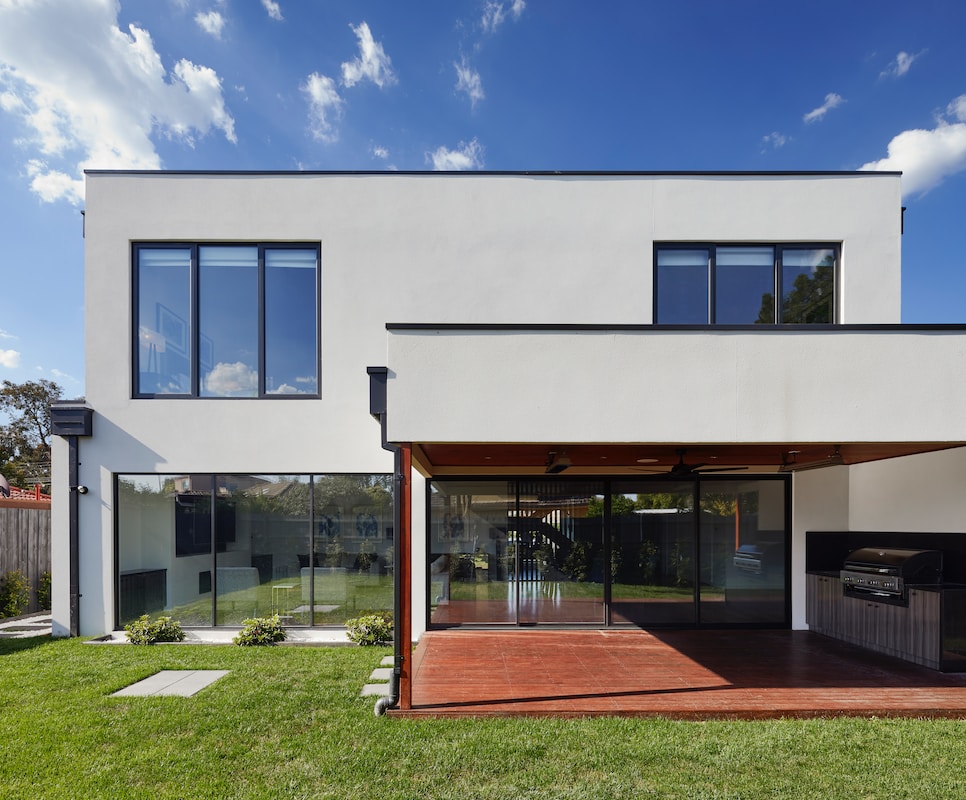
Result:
<point x="676" y="386"/>
<point x="468" y="248"/>
<point x="916" y="494"/>
<point x="820" y="502"/>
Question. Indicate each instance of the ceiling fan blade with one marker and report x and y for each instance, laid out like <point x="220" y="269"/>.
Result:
<point x="721" y="469"/>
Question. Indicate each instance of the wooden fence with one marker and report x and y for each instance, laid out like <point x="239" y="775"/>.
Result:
<point x="25" y="541"/>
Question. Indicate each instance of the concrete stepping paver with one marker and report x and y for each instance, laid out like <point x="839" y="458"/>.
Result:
<point x="173" y="683"/>
<point x="380" y="674"/>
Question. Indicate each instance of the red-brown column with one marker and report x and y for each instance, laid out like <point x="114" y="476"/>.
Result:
<point x="405" y="567"/>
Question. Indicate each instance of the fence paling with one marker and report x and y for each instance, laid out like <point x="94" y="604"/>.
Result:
<point x="25" y="544"/>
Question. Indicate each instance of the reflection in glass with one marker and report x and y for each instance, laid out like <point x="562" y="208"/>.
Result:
<point x="291" y="355"/>
<point x="316" y="550"/>
<point x="228" y="321"/>
<point x="472" y="552"/>
<point x="682" y="287"/>
<point x="652" y="552"/>
<point x="352" y="557"/>
<point x="742" y="568"/>
<point x="509" y="552"/>
<point x="808" y="285"/>
<point x="266" y="521"/>
<point x="560" y="551"/>
<point x="153" y="513"/>
<point x="164" y="314"/>
<point x="744" y="285"/>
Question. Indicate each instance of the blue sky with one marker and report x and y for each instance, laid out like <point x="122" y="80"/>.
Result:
<point x="463" y="84"/>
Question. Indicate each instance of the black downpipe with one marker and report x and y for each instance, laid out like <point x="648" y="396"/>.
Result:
<point x="383" y="704"/>
<point x="73" y="516"/>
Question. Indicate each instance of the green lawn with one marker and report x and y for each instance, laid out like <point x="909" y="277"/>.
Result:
<point x="287" y="722"/>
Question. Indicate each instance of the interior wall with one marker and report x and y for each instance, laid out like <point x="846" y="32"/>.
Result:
<point x="820" y="502"/>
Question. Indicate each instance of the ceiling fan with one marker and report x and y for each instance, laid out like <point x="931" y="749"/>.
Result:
<point x="683" y="470"/>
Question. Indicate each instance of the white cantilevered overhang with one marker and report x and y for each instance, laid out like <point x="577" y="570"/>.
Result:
<point x="653" y="384"/>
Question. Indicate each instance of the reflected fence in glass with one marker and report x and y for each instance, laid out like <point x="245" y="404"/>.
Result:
<point x="219" y="549"/>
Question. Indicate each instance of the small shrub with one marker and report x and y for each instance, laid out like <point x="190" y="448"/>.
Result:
<point x="14" y="594"/>
<point x="370" y="629"/>
<point x="145" y="631"/>
<point x="43" y="591"/>
<point x="260" y="631"/>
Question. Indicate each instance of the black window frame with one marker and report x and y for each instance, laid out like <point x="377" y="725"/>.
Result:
<point x="778" y="249"/>
<point x="194" y="327"/>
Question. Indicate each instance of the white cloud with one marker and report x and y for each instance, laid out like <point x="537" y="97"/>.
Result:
<point x="287" y="388"/>
<point x="232" y="380"/>
<point x="63" y="376"/>
<point x="380" y="152"/>
<point x="372" y="64"/>
<point x="926" y="157"/>
<point x="6" y="334"/>
<point x="468" y="80"/>
<point x="9" y="359"/>
<point x="273" y="9"/>
<point x="210" y="22"/>
<point x="466" y="156"/>
<point x="325" y="106"/>
<point x="900" y="66"/>
<point x="832" y="100"/>
<point x="774" y="140"/>
<point x="495" y="13"/>
<point x="93" y="95"/>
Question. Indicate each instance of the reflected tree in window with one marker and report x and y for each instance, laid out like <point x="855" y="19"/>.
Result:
<point x="808" y="293"/>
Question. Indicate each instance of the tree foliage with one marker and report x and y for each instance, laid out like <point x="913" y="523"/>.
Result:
<point x="25" y="438"/>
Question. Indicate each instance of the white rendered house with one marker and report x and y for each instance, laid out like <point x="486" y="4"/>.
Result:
<point x="601" y="388"/>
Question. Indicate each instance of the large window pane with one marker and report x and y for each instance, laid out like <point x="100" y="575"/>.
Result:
<point x="291" y="338"/>
<point x="250" y="545"/>
<point x="742" y="570"/>
<point x="682" y="287"/>
<point x="228" y="321"/>
<point x="744" y="285"/>
<point x="349" y="571"/>
<point x="808" y="284"/>
<point x="164" y="320"/>
<point x="263" y="522"/>
<point x="158" y="572"/>
<point x="652" y="552"/>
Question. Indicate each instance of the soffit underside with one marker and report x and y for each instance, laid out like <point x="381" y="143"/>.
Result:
<point x="442" y="458"/>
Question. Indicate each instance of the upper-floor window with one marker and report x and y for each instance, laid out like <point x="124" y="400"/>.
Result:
<point x="226" y="320"/>
<point x="701" y="284"/>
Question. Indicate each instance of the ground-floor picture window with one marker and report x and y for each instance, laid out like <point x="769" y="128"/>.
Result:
<point x="646" y="552"/>
<point x="217" y="549"/>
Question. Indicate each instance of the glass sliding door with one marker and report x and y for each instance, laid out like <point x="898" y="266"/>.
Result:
<point x="653" y="552"/>
<point x="558" y="531"/>
<point x="743" y="552"/>
<point x="509" y="552"/>
<point x="472" y="552"/>
<point x="661" y="552"/>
